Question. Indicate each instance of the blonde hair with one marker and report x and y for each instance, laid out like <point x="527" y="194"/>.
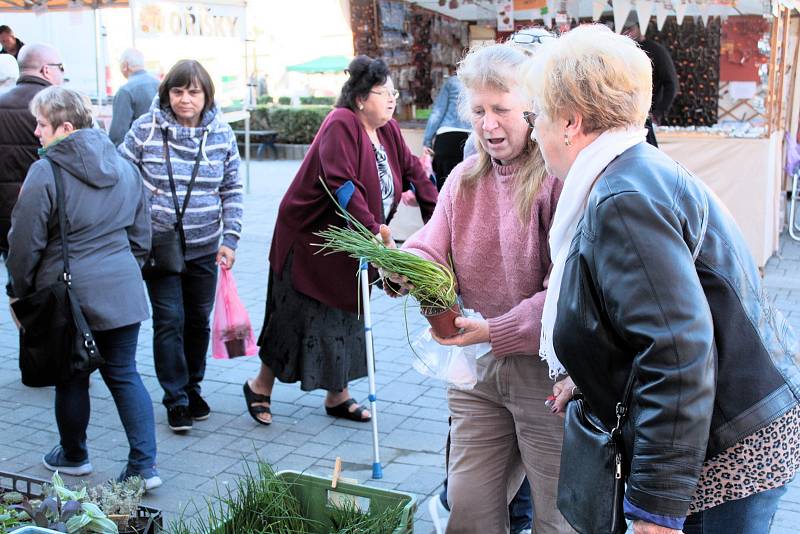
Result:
<point x="593" y="72"/>
<point x="497" y="67"/>
<point x="59" y="105"/>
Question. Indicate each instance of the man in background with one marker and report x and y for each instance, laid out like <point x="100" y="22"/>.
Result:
<point x="665" y="79"/>
<point x="11" y="44"/>
<point x="134" y="98"/>
<point x="39" y="67"/>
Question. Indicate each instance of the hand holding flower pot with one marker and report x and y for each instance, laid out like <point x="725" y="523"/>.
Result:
<point x="467" y="332"/>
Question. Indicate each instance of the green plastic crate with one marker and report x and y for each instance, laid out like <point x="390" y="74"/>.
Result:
<point x="314" y="494"/>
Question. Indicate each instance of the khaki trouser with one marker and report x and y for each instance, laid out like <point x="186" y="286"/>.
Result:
<point x="501" y="431"/>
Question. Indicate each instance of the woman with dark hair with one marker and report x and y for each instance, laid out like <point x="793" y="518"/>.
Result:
<point x="189" y="161"/>
<point x="312" y="332"/>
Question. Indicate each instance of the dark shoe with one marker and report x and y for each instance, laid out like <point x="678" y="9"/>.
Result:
<point x="343" y="411"/>
<point x="254" y="401"/>
<point x="56" y="461"/>
<point x="198" y="407"/>
<point x="179" y="418"/>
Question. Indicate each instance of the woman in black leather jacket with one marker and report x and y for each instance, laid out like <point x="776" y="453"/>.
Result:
<point x="652" y="277"/>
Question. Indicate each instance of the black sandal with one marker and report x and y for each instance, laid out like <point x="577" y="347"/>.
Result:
<point x="255" y="398"/>
<point x="343" y="410"/>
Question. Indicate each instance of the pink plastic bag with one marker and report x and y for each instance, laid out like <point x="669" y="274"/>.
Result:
<point x="232" y="334"/>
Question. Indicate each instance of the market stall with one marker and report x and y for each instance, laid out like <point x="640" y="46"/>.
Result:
<point x="736" y="65"/>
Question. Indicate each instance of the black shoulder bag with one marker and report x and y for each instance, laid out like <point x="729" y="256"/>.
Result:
<point x="168" y="249"/>
<point x="591" y="484"/>
<point x="55" y="343"/>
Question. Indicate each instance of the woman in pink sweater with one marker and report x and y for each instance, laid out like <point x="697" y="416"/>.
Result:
<point x="492" y="219"/>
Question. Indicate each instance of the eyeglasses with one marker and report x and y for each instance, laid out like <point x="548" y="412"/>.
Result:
<point x="527" y="38"/>
<point x="394" y="94"/>
<point x="530" y="118"/>
<point x="59" y="65"/>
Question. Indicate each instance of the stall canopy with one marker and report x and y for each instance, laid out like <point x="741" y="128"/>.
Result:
<point x="323" y="64"/>
<point x="32" y="5"/>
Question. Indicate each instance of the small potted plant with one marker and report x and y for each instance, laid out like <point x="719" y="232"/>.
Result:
<point x="119" y="501"/>
<point x="432" y="284"/>
<point x="66" y="510"/>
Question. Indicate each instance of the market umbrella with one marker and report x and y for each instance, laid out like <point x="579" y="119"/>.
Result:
<point x="323" y="64"/>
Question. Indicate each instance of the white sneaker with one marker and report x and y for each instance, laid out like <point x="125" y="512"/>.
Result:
<point x="439" y="514"/>
<point x="152" y="483"/>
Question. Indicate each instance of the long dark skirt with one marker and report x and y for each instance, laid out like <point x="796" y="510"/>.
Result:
<point x="307" y="341"/>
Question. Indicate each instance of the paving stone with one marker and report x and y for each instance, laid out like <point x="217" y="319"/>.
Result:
<point x="417" y="441"/>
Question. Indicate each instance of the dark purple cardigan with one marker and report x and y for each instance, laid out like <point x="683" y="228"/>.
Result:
<point x="341" y="152"/>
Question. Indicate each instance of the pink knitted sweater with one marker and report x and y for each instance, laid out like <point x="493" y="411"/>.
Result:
<point x="500" y="264"/>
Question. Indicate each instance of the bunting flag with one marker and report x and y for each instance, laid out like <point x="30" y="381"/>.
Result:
<point x="661" y="15"/>
<point x="621" y="10"/>
<point x="680" y="12"/>
<point x="644" y="8"/>
<point x="704" y="14"/>
<point x="598" y="6"/>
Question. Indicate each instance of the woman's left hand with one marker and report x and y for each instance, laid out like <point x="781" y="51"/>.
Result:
<point x="475" y="331"/>
<point x="226" y="257"/>
<point x="562" y="391"/>
<point x="643" y="527"/>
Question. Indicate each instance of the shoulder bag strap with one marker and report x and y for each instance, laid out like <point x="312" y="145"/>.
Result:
<point x="77" y="313"/>
<point x="62" y="217"/>
<point x="179" y="212"/>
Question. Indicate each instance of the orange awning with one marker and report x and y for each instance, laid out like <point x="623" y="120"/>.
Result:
<point x="58" y="5"/>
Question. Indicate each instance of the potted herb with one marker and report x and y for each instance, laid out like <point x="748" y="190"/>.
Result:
<point x="433" y="284"/>
<point x="66" y="510"/>
<point x="120" y="501"/>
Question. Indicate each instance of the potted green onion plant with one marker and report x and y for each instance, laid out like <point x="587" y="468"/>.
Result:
<point x="432" y="284"/>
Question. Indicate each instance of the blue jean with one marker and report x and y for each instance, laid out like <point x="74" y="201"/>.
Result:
<point x="751" y="515"/>
<point x="118" y="349"/>
<point x="182" y="305"/>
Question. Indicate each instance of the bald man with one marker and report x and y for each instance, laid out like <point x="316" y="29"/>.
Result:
<point x="39" y="67"/>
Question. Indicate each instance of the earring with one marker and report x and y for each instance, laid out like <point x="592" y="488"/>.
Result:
<point x="361" y="107"/>
<point x="567" y="140"/>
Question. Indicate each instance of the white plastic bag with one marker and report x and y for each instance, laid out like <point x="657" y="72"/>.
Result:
<point x="455" y="365"/>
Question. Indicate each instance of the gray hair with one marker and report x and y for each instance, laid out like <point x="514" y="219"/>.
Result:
<point x="133" y="58"/>
<point x="59" y="105"/>
<point x="9" y="71"/>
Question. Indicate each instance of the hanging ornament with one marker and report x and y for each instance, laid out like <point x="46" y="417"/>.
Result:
<point x="621" y="10"/>
<point x="598" y="6"/>
<point x="680" y="12"/>
<point x="644" y="8"/>
<point x="661" y="15"/>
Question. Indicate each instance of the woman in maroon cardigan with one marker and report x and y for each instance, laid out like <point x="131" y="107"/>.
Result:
<point x="312" y="332"/>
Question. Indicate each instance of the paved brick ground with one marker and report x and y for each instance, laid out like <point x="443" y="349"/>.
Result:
<point x="412" y="409"/>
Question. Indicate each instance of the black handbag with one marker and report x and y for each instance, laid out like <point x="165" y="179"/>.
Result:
<point x="168" y="249"/>
<point x="55" y="343"/>
<point x="591" y="484"/>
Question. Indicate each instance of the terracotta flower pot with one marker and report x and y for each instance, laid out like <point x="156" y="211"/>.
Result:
<point x="235" y="347"/>
<point x="443" y="321"/>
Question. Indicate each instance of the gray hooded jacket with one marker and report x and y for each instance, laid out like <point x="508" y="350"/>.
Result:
<point x="108" y="230"/>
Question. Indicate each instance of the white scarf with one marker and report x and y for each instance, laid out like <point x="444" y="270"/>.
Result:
<point x="571" y="204"/>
